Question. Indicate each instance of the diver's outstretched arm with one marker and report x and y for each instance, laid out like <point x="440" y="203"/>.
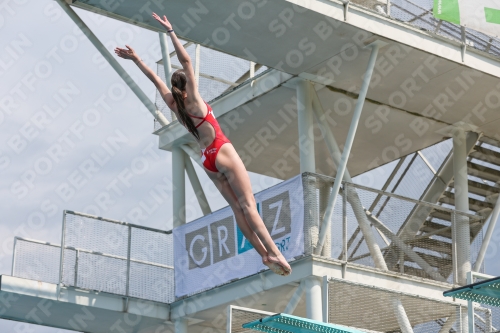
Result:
<point x="184" y="59"/>
<point x="129" y="53"/>
<point x="182" y="55"/>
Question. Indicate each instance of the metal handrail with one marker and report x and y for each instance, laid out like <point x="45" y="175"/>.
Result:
<point x="168" y="232"/>
<point x="397" y="196"/>
<point x="91" y="252"/>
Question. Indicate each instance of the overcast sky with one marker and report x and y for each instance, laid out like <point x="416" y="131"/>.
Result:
<point x="60" y="104"/>
<point x="53" y="143"/>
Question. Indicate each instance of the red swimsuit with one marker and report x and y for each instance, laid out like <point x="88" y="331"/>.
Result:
<point x="209" y="154"/>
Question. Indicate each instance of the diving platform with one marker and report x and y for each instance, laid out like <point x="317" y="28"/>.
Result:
<point x="330" y="89"/>
<point x="114" y="275"/>
<point x="77" y="309"/>
<point x="424" y="82"/>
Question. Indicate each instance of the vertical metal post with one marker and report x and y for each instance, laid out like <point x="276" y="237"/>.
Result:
<point x="129" y="245"/>
<point x="344" y="230"/>
<point x="487" y="237"/>
<point x="75" y="283"/>
<point x="13" y="257"/>
<point x="462" y="228"/>
<point x="179" y="185"/>
<point x="470" y="306"/>
<point x="454" y="246"/>
<point x="167" y="65"/>
<point x="307" y="161"/>
<point x="229" y="326"/>
<point x="305" y="120"/>
<point x="61" y="256"/>
<point x="324" y="192"/>
<point x="461" y="204"/>
<point x="402" y="261"/>
<point x="325" y="298"/>
<point x="341" y="168"/>
<point x="197" y="63"/>
<point x="314" y="303"/>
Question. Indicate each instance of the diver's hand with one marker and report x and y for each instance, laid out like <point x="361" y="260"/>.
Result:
<point x="164" y="22"/>
<point x="127" y="54"/>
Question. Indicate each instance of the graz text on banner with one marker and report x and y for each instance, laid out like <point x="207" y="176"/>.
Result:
<point x="212" y="250"/>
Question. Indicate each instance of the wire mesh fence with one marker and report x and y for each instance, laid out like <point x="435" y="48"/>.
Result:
<point x="115" y="257"/>
<point x="419" y="13"/>
<point x="375" y="309"/>
<point x="102" y="255"/>
<point x="388" y="231"/>
<point x="36" y="260"/>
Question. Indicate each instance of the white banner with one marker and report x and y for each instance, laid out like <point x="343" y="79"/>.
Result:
<point x="212" y="250"/>
<point x="480" y="15"/>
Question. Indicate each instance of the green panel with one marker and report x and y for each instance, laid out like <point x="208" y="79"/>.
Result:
<point x="447" y="10"/>
<point x="492" y="15"/>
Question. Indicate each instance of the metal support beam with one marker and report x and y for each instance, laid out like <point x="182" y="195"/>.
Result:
<point x="179" y="184"/>
<point x="197" y="63"/>
<point x="193" y="154"/>
<point x="405" y="248"/>
<point x="487" y="237"/>
<point x="295" y="299"/>
<point x="440" y="182"/>
<point x="324" y="192"/>
<point x="167" y="65"/>
<point x="314" y="304"/>
<point x="432" y="193"/>
<point x="325" y="298"/>
<point x="460" y="223"/>
<point x="461" y="204"/>
<point x="351" y="193"/>
<point x="305" y="120"/>
<point x="114" y="63"/>
<point x="401" y="317"/>
<point x="342" y="166"/>
<point x="448" y="323"/>
<point x="197" y="188"/>
<point x="349" y="141"/>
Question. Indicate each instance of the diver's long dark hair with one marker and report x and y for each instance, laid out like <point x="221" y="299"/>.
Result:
<point x="178" y="81"/>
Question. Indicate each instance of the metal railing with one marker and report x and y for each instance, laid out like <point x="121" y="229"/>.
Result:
<point x="370" y="227"/>
<point x="366" y="229"/>
<point x="419" y="13"/>
<point x="104" y="255"/>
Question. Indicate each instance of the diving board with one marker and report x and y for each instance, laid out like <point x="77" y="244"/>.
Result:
<point x="285" y="323"/>
<point x="486" y="292"/>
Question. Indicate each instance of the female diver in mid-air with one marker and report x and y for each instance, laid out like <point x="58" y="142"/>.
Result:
<point x="220" y="160"/>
